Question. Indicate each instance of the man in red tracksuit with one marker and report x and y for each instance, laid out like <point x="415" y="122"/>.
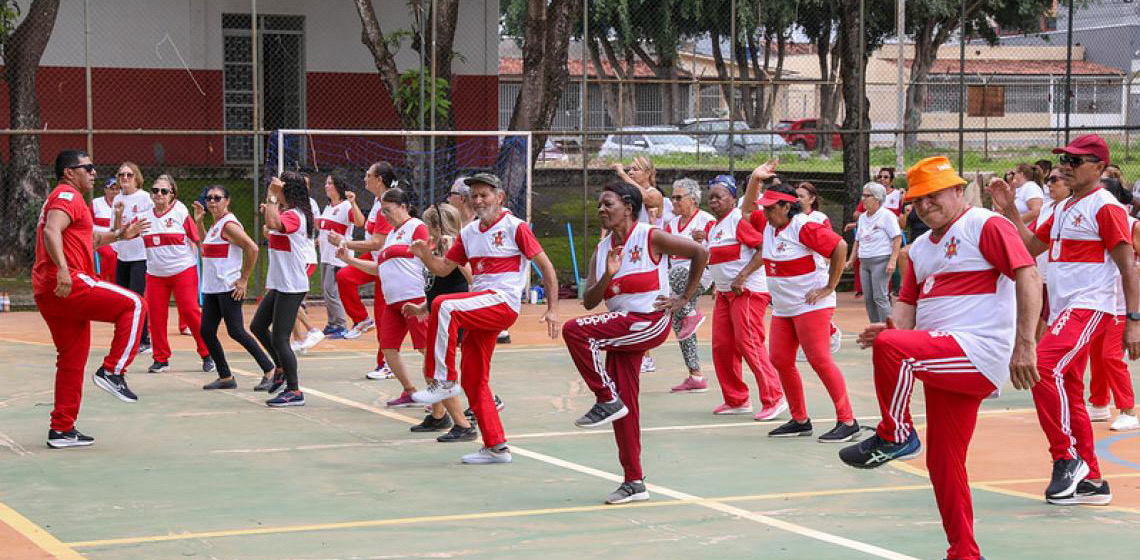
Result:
<point x="69" y="296"/>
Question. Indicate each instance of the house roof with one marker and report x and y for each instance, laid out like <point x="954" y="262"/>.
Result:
<point x="1021" y="67"/>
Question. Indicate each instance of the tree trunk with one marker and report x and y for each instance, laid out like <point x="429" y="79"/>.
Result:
<point x="855" y="145"/>
<point x="444" y="22"/>
<point x="24" y="181"/>
<point x="926" y="43"/>
<point x="609" y="90"/>
<point x="826" y="102"/>
<point x="722" y="72"/>
<point x="544" y="65"/>
<point x="740" y="55"/>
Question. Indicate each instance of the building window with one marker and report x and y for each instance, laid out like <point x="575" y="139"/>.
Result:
<point x="1027" y="97"/>
<point x="508" y="95"/>
<point x="1090" y="97"/>
<point x="650" y="110"/>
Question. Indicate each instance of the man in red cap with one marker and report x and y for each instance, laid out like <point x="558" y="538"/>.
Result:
<point x="1090" y="252"/>
<point x="963" y="324"/>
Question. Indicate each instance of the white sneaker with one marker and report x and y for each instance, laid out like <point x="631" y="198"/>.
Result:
<point x="647" y="364"/>
<point x="836" y="340"/>
<point x="437" y="391"/>
<point x="1099" y="413"/>
<point x="314" y="337"/>
<point x="380" y="373"/>
<point x="1124" y="423"/>
<point x="359" y="329"/>
<point x="487" y="455"/>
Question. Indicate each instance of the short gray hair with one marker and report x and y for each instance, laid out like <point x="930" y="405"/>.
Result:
<point x="878" y="191"/>
<point x="688" y="187"/>
<point x="460" y="187"/>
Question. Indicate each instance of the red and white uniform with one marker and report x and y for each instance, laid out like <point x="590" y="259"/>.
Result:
<point x="629" y="329"/>
<point x="1079" y="232"/>
<point x="309" y="248"/>
<point x="499" y="255"/>
<point x="738" y="319"/>
<point x="104" y="215"/>
<point x="288" y="254"/>
<point x="349" y="279"/>
<point x="335" y="218"/>
<point x="699" y="221"/>
<point x="1107" y="368"/>
<point x="795" y="263"/>
<point x="69" y="318"/>
<point x="221" y="258"/>
<point x="171" y="268"/>
<point x="403" y="276"/>
<point x="134" y="205"/>
<point x="965" y="318"/>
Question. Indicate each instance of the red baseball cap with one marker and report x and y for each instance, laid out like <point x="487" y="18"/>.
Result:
<point x="1087" y="145"/>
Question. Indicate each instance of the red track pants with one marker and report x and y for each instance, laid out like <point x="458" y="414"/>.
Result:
<point x="108" y="260"/>
<point x="812" y="331"/>
<point x="1107" y="369"/>
<point x="69" y="320"/>
<point x="738" y="334"/>
<point x="482" y="316"/>
<point x="954" y="390"/>
<point x="348" y="282"/>
<point x="624" y="337"/>
<point x="184" y="286"/>
<point x="1059" y="396"/>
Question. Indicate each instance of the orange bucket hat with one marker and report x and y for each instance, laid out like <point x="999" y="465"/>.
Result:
<point x="929" y="176"/>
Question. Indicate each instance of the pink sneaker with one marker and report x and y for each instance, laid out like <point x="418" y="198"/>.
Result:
<point x="690" y="323"/>
<point x="770" y="412"/>
<point x="724" y="409"/>
<point x="691" y="385"/>
<point x="404" y="400"/>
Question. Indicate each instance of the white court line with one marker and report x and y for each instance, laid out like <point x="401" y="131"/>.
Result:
<point x="734" y="511"/>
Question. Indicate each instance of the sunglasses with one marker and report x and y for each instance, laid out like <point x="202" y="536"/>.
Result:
<point x="88" y="167"/>
<point x="1052" y="179"/>
<point x="215" y="198"/>
<point x="126" y="174"/>
<point x="1075" y="161"/>
<point x="884" y="176"/>
<point x="161" y="191"/>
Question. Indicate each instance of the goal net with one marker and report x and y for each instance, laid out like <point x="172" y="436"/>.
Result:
<point x="426" y="162"/>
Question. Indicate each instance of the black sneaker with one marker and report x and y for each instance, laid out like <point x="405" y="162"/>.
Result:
<point x="503" y="338"/>
<point x="498" y="406"/>
<point x="876" y="451"/>
<point x="433" y="424"/>
<point x="114" y="384"/>
<point x="1067" y="474"/>
<point x="628" y="492"/>
<point x="791" y="428"/>
<point x="459" y="433"/>
<point x="221" y="383"/>
<point x="287" y="398"/>
<point x="207" y="364"/>
<point x="1088" y="493"/>
<point x="266" y="381"/>
<point x="144" y="348"/>
<point x="70" y="438"/>
<point x="278" y="381"/>
<point x="159" y="367"/>
<point x="840" y="433"/>
<point x="602" y="413"/>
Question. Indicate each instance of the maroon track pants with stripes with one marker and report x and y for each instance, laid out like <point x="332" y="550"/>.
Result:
<point x="624" y="337"/>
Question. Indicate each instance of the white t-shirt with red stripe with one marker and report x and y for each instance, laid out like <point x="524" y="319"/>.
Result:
<point x="699" y="221"/>
<point x="876" y="232"/>
<point x="732" y="242"/>
<point x="169" y="241"/>
<point x="335" y="218"/>
<point x="103" y="214"/>
<point x="402" y="272"/>
<point x="1080" y="233"/>
<point x="499" y="255"/>
<point x="375" y="224"/>
<point x="962" y="286"/>
<point x="221" y="258"/>
<point x="287" y="254"/>
<point x="1043" y="258"/>
<point x="640" y="279"/>
<point x="792" y="263"/>
<point x="134" y="205"/>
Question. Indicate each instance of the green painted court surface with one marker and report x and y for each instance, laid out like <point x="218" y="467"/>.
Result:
<point x="189" y="474"/>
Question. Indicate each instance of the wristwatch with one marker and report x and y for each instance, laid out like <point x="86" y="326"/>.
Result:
<point x="1133" y="316"/>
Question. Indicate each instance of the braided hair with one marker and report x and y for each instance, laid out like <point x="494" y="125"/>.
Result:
<point x="297" y="196"/>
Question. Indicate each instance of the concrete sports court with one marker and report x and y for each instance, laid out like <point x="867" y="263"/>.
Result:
<point x="188" y="474"/>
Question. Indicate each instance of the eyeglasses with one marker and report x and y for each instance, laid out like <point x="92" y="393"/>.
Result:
<point x="125" y="174"/>
<point x="677" y="197"/>
<point x="866" y="195"/>
<point x="161" y="191"/>
<point x="1075" y="161"/>
<point x="215" y="198"/>
<point x="88" y="167"/>
<point x="454" y="193"/>
<point x="1052" y="179"/>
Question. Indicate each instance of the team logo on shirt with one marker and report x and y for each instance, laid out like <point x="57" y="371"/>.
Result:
<point x="951" y="248"/>
<point x="719" y="234"/>
<point x="635" y="254"/>
<point x="399" y="235"/>
<point x="1077" y="221"/>
<point x="780" y="247"/>
<point x="169" y="223"/>
<point x="497" y="239"/>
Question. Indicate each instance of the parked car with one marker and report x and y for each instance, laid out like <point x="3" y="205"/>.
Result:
<point x="633" y="144"/>
<point x="742" y="144"/>
<point x="799" y="134"/>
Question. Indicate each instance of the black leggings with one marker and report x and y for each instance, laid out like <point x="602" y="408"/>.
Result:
<point x="132" y="276"/>
<point x="215" y="309"/>
<point x="278" y="309"/>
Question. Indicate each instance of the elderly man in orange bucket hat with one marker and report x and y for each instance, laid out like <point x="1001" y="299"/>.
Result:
<point x="964" y="321"/>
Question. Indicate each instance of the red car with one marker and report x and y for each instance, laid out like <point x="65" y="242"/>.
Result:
<point x="797" y="134"/>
